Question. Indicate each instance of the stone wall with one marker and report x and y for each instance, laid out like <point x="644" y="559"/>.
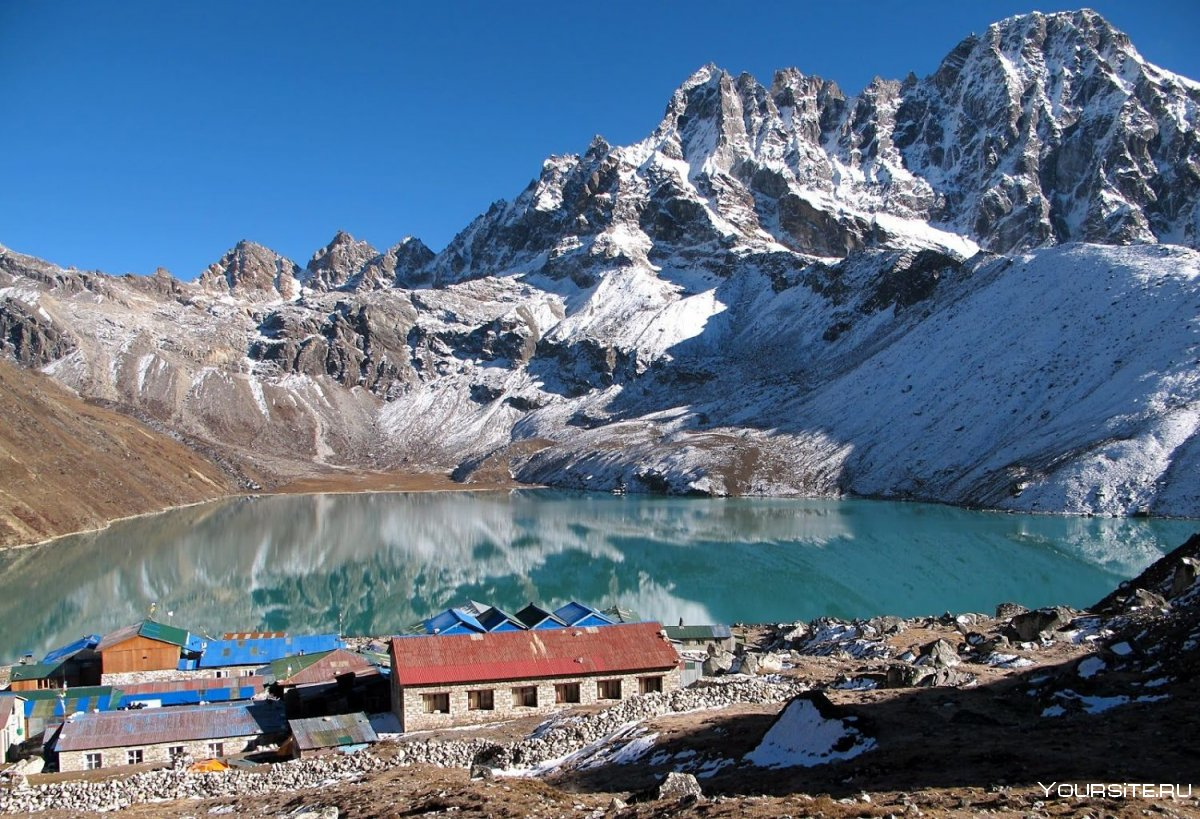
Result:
<point x="158" y="753"/>
<point x="409" y="704"/>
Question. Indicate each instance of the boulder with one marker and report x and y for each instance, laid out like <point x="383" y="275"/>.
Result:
<point x="750" y="664"/>
<point x="940" y="654"/>
<point x="1185" y="576"/>
<point x="1031" y="625"/>
<point x="719" y="661"/>
<point x="1006" y="610"/>
<point x="680" y="785"/>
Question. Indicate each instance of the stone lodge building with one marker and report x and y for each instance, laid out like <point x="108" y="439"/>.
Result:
<point x="118" y="738"/>
<point x="443" y="681"/>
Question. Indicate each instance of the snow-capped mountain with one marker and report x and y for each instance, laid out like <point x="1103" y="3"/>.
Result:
<point x="978" y="287"/>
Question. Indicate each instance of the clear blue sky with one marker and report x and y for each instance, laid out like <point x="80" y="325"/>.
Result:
<point x="137" y="133"/>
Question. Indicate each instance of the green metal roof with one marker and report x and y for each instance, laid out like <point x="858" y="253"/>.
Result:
<point x="78" y="692"/>
<point x="697" y="632"/>
<point x="154" y="630"/>
<point x="33" y="671"/>
<point x="285" y="667"/>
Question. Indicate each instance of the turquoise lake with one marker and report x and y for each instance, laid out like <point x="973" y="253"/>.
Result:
<point x="376" y="563"/>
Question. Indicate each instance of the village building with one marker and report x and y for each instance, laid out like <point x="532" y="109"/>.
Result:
<point x="12" y="724"/>
<point x="579" y="615"/>
<point x="329" y="682"/>
<point x="47" y="709"/>
<point x="193" y="691"/>
<point x="145" y="646"/>
<point x="158" y="735"/>
<point x="454" y="621"/>
<point x="243" y="655"/>
<point x="536" y="617"/>
<point x="321" y="735"/>
<point x="72" y="665"/>
<point x="35" y="676"/>
<point x="497" y="619"/>
<point x="445" y="681"/>
<point x="699" y="638"/>
<point x="622" y="615"/>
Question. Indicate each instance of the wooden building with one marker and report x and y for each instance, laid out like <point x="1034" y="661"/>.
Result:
<point x="444" y="681"/>
<point x="144" y="646"/>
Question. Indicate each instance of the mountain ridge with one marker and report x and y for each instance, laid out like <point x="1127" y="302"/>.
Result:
<point x="753" y="299"/>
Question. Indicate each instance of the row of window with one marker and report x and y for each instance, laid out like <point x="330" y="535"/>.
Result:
<point x="95" y="760"/>
<point x="526" y="696"/>
<point x="222" y="673"/>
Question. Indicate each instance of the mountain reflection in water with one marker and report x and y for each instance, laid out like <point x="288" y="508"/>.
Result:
<point x="377" y="562"/>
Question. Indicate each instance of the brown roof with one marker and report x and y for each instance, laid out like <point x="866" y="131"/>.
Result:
<point x="153" y="726"/>
<point x="524" y="655"/>
<point x="331" y="666"/>
<point x="193" y="684"/>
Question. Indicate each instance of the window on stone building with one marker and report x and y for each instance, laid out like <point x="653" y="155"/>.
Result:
<point x="483" y="700"/>
<point x="247" y="672"/>
<point x="566" y="692"/>
<point x="93" y="761"/>
<point x="221" y="673"/>
<point x="608" y="689"/>
<point x="216" y="749"/>
<point x="175" y="750"/>
<point x="650" y="685"/>
<point x="525" y="697"/>
<point x="133" y="756"/>
<point x="436" y="703"/>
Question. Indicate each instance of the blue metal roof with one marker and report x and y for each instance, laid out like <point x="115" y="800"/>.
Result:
<point x="496" y="619"/>
<point x="263" y="650"/>
<point x="453" y="621"/>
<point x="45" y="702"/>
<point x="71" y="649"/>
<point x="224" y="693"/>
<point x="574" y="613"/>
<point x="535" y="617"/>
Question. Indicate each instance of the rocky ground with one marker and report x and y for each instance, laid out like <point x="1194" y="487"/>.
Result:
<point x="942" y="716"/>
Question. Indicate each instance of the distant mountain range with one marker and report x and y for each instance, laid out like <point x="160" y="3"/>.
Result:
<point x="979" y="287"/>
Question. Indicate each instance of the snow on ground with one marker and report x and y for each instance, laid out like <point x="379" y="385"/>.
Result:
<point x="802" y="736"/>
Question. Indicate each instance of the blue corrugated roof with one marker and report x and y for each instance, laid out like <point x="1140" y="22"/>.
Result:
<point x="535" y="617"/>
<point x="496" y="619"/>
<point x="573" y="613"/>
<point x="452" y="620"/>
<point x="45" y="702"/>
<point x="71" y="649"/>
<point x="223" y="694"/>
<point x="263" y="650"/>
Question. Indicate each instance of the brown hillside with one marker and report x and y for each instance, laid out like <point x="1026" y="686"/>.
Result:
<point x="66" y="465"/>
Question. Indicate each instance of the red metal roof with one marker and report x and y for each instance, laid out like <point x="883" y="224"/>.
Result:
<point x="524" y="655"/>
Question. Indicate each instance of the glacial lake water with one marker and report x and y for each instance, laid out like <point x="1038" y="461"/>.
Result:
<point x="376" y="563"/>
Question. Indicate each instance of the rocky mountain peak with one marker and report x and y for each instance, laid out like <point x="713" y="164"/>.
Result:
<point x="1052" y="128"/>
<point x="253" y="272"/>
<point x="340" y="261"/>
<point x="404" y="264"/>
